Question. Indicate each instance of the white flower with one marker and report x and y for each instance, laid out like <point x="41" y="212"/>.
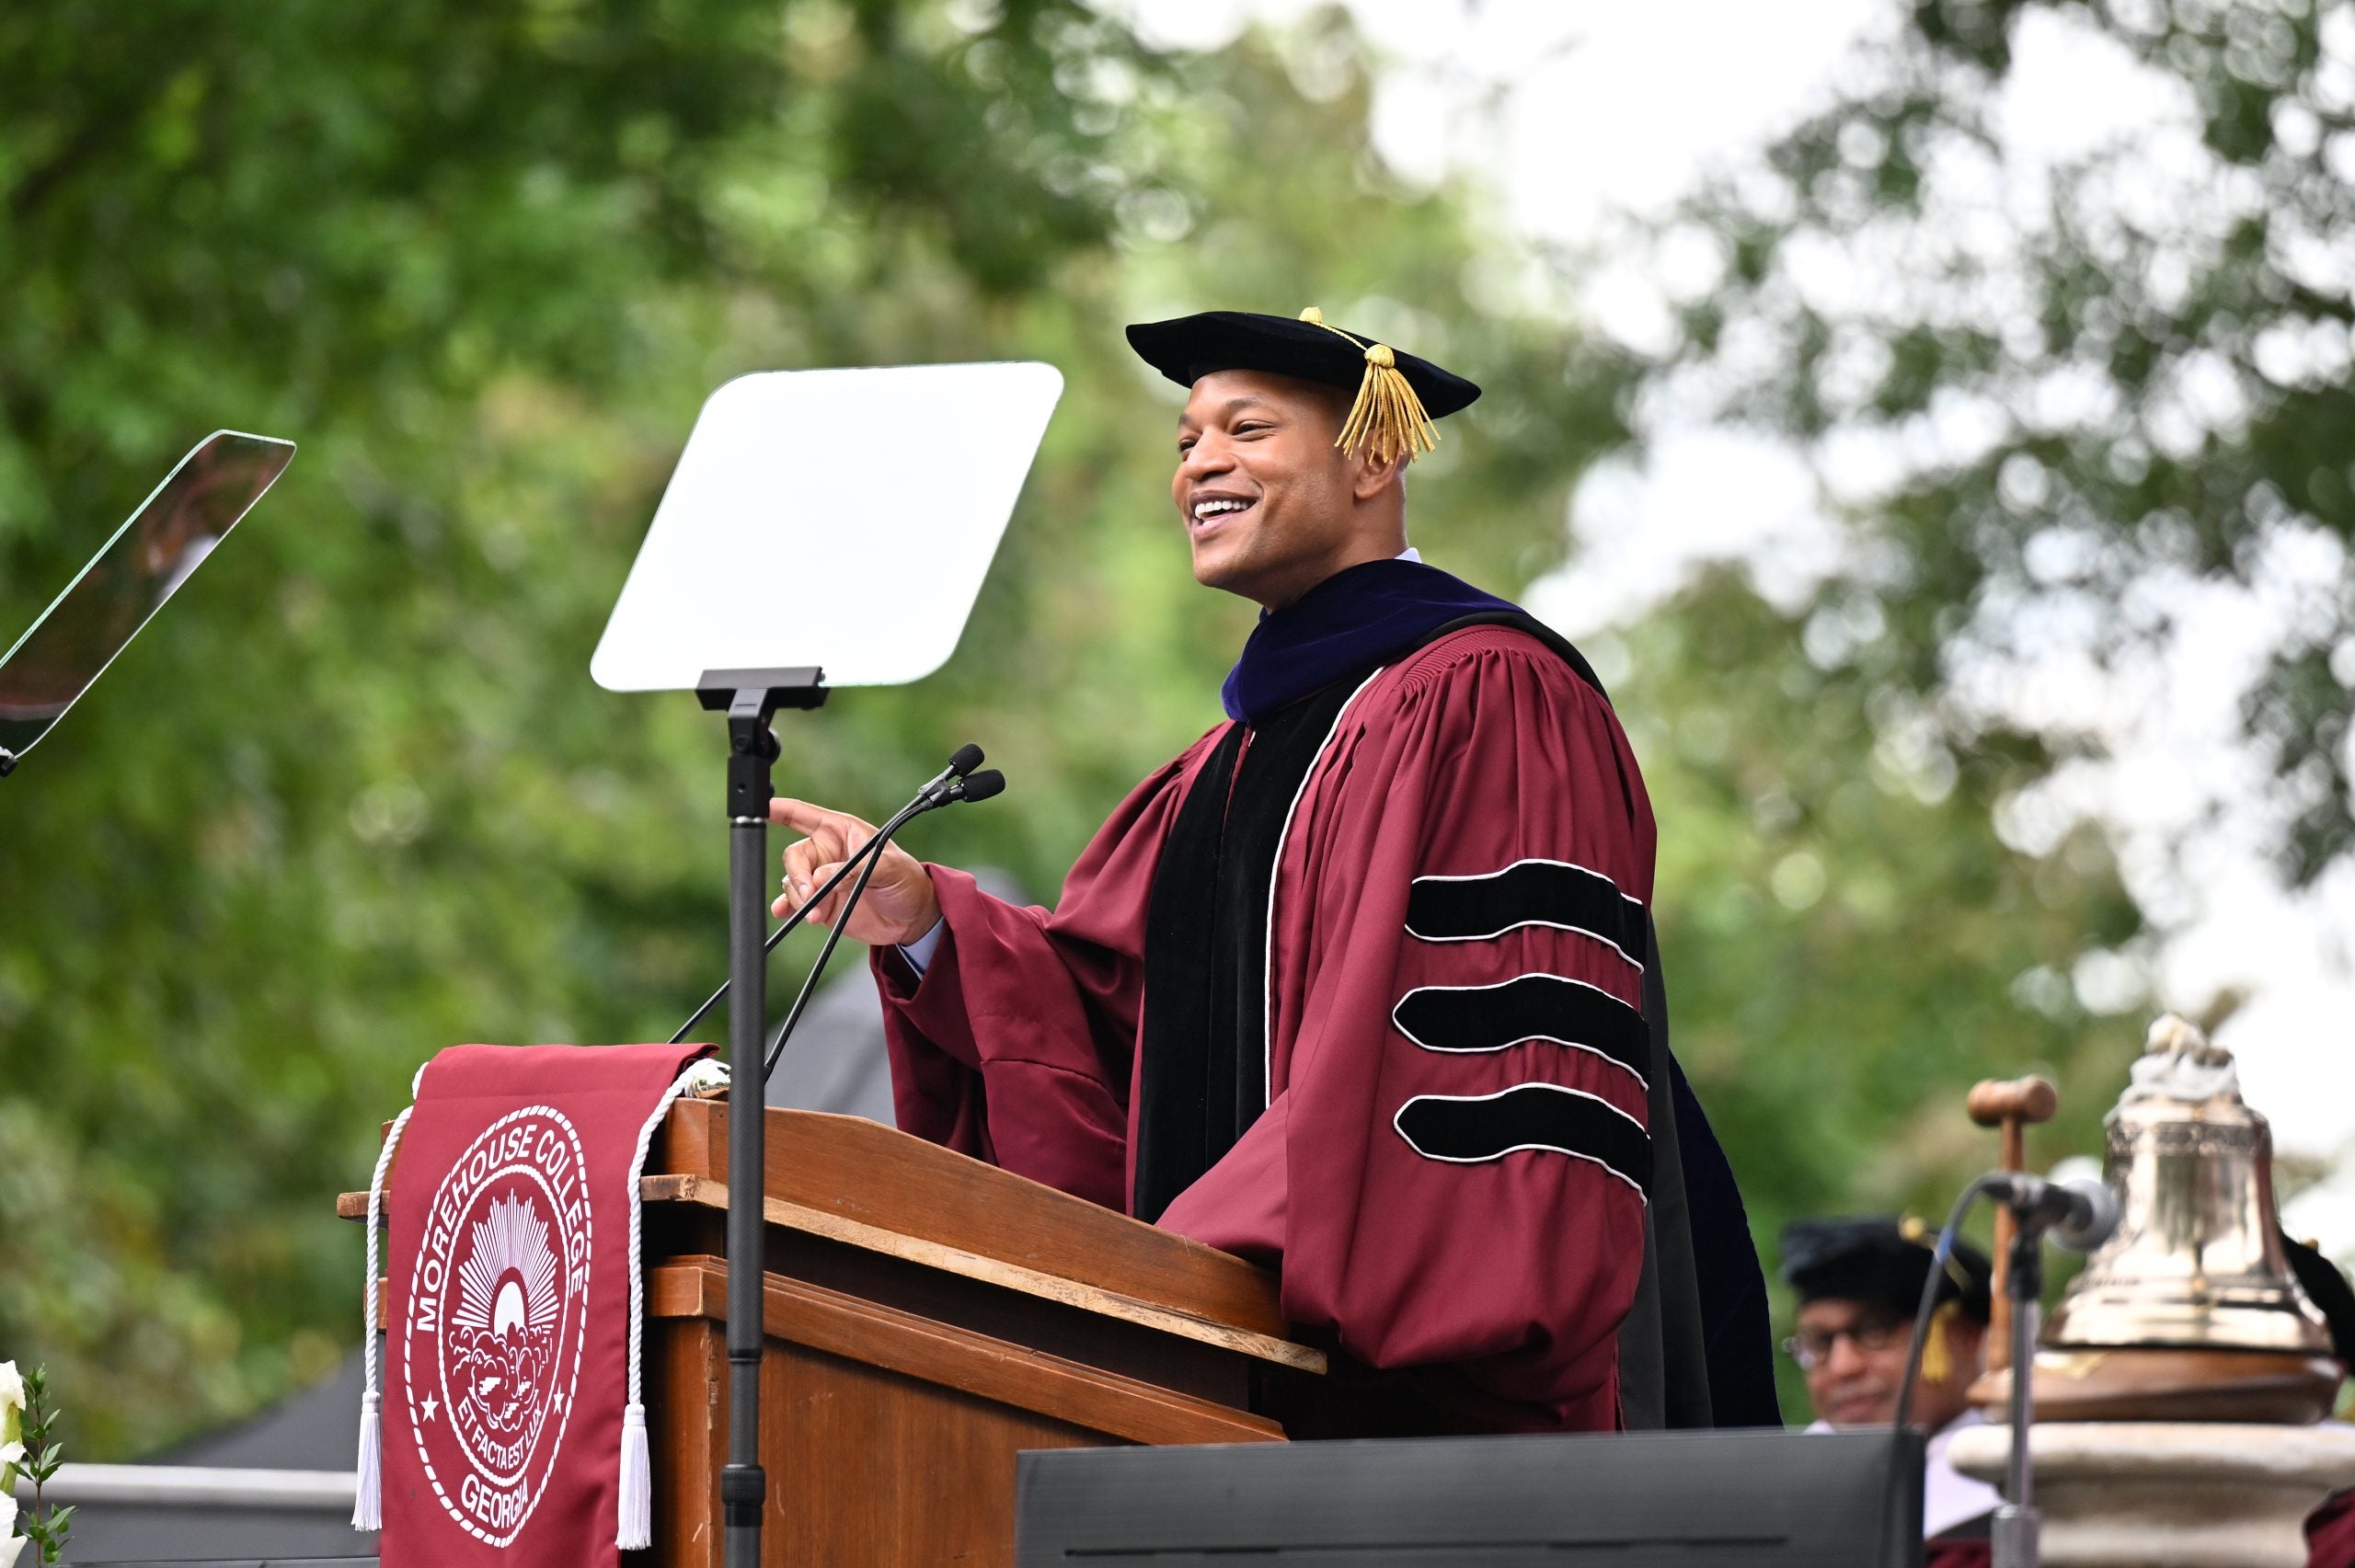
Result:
<point x="12" y="1428"/>
<point x="11" y="1542"/>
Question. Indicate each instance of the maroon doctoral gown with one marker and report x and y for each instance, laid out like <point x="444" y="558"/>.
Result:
<point x="1444" y="1146"/>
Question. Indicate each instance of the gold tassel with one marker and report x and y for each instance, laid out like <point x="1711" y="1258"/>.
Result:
<point x="1387" y="416"/>
<point x="1938" y="1365"/>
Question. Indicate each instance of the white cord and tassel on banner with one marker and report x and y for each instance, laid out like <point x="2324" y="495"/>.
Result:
<point x="636" y="1526"/>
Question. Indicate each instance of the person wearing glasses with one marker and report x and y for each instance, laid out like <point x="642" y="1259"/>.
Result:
<point x="1859" y="1283"/>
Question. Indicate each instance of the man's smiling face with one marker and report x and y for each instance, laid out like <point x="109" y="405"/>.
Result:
<point x="1271" y="507"/>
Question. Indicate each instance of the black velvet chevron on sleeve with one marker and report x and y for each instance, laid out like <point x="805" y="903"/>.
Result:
<point x="1528" y="892"/>
<point x="1469" y="1130"/>
<point x="1527" y="1007"/>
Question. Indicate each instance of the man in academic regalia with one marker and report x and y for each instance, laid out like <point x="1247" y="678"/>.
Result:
<point x="1362" y="985"/>
<point x="1859" y="1283"/>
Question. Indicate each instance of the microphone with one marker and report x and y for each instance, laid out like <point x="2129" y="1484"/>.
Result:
<point x="979" y="787"/>
<point x="2080" y="1213"/>
<point x="964" y="761"/>
<point x="945" y="788"/>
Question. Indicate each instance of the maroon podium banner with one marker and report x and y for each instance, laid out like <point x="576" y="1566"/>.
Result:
<point x="507" y="1328"/>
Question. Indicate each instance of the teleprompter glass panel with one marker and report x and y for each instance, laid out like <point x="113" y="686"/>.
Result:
<point x="834" y="517"/>
<point x="179" y="524"/>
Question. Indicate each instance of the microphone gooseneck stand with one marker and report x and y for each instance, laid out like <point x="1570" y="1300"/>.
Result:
<point x="2080" y="1214"/>
<point x="945" y="788"/>
<point x="2016" y="1538"/>
<point x="943" y="791"/>
<point x="751" y="699"/>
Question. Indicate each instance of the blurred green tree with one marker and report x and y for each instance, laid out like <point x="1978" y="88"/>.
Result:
<point x="2109" y="366"/>
<point x="354" y="799"/>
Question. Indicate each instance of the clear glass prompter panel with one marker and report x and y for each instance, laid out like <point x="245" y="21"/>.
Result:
<point x="179" y="524"/>
<point x="839" y="518"/>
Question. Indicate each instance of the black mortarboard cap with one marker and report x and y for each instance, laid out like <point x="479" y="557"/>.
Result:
<point x="1398" y="395"/>
<point x="2326" y="1288"/>
<point x="1882" y="1259"/>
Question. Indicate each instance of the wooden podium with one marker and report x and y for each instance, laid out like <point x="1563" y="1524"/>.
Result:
<point x="927" y="1317"/>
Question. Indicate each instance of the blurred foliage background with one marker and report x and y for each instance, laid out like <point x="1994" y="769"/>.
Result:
<point x="354" y="796"/>
<point x="2091" y="383"/>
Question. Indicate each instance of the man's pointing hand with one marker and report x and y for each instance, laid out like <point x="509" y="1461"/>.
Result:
<point x="899" y="905"/>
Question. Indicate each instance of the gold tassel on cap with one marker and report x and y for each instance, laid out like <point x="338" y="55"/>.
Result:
<point x="1938" y="1364"/>
<point x="1387" y="415"/>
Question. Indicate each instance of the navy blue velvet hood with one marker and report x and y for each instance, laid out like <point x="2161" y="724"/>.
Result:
<point x="1351" y="621"/>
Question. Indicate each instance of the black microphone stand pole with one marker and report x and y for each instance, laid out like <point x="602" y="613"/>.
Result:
<point x="751" y="698"/>
<point x="2019" y="1525"/>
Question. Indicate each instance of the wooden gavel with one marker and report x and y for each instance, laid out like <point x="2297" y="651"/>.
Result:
<point x="2010" y="1103"/>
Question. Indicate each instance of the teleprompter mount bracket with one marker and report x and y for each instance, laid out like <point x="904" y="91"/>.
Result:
<point x="803" y="686"/>
<point x="752" y="698"/>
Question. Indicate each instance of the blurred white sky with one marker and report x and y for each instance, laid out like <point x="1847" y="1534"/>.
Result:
<point x="1577" y="110"/>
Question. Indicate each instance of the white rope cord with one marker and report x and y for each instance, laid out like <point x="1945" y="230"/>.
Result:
<point x="367" y="1504"/>
<point x="634" y="1530"/>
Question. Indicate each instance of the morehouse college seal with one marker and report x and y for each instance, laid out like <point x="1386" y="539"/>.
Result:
<point x="492" y="1332"/>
